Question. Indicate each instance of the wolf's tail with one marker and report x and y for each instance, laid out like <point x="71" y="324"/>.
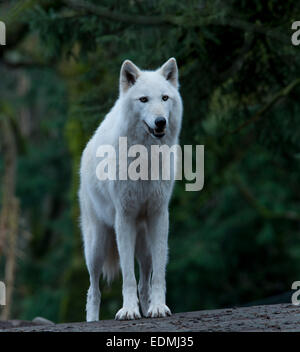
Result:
<point x="111" y="265"/>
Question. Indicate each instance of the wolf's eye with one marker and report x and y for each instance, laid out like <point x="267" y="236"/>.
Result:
<point x="144" y="99"/>
<point x="165" y="97"/>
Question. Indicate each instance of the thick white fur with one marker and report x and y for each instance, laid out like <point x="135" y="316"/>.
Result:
<point x="121" y="220"/>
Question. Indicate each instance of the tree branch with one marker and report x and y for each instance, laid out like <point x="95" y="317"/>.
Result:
<point x="261" y="209"/>
<point x="174" y="20"/>
<point x="103" y="12"/>
<point x="280" y="95"/>
<point x="24" y="64"/>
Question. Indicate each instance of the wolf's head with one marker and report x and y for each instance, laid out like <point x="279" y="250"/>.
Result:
<point x="151" y="99"/>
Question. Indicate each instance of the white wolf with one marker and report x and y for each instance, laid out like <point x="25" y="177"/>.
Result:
<point x="121" y="220"/>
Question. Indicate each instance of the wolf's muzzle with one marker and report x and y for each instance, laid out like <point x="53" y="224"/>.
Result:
<point x="159" y="130"/>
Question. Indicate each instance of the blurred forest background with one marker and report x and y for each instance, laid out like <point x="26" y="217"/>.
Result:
<point x="235" y="242"/>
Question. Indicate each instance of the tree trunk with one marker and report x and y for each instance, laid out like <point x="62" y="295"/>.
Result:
<point x="9" y="219"/>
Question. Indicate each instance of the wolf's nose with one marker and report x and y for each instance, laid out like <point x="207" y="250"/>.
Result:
<point x="160" y="122"/>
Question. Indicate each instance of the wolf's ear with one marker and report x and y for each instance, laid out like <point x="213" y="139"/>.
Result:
<point x="128" y="76"/>
<point x="170" y="71"/>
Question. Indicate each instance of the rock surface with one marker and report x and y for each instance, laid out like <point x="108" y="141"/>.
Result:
<point x="279" y="317"/>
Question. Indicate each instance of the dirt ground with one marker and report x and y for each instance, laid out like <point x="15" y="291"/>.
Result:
<point x="279" y="317"/>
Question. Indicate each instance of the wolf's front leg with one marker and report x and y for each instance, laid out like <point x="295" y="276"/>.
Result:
<point x="126" y="236"/>
<point x="158" y="226"/>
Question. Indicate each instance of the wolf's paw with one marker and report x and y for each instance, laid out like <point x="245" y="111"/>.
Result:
<point x="158" y="311"/>
<point x="90" y="319"/>
<point x="128" y="314"/>
<point x="92" y="315"/>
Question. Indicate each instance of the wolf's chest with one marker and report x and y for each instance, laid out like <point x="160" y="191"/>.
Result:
<point x="136" y="194"/>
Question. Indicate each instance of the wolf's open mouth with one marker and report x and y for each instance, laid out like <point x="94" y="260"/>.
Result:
<point x="158" y="133"/>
